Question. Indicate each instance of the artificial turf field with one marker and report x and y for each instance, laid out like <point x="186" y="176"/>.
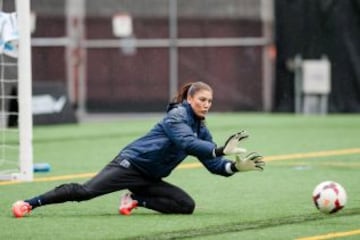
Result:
<point x="300" y="152"/>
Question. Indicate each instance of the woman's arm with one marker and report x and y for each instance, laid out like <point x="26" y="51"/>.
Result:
<point x="176" y="126"/>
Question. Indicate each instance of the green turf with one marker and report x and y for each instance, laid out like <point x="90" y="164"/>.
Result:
<point x="274" y="204"/>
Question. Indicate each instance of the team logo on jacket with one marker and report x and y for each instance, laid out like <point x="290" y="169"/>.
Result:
<point x="125" y="163"/>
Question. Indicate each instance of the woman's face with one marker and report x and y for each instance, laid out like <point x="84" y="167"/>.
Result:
<point x="201" y="102"/>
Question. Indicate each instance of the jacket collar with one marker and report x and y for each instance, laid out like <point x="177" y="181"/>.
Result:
<point x="191" y="111"/>
<point x="188" y="109"/>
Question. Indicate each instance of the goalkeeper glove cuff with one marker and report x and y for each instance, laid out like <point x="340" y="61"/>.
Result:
<point x="233" y="167"/>
<point x="218" y="152"/>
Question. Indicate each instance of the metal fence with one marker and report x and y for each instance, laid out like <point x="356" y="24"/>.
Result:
<point x="226" y="43"/>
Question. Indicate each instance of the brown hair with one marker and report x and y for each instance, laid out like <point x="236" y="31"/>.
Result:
<point x="190" y="89"/>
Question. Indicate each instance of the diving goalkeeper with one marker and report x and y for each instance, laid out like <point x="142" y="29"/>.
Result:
<point x="143" y="164"/>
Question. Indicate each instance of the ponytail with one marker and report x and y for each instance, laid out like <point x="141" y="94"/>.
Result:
<point x="182" y="93"/>
<point x="190" y="89"/>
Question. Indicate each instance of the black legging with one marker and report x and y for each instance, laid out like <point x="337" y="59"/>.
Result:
<point x="158" y="195"/>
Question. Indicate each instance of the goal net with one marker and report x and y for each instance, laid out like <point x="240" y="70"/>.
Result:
<point x="16" y="155"/>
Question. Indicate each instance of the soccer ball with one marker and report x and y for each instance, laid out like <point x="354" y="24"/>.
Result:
<point x="329" y="197"/>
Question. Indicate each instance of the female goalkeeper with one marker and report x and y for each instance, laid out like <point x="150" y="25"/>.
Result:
<point x="143" y="164"/>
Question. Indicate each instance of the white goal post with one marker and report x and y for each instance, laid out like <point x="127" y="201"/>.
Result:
<point x="24" y="171"/>
<point x="25" y="90"/>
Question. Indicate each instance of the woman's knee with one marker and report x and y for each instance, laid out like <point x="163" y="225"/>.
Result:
<point x="187" y="206"/>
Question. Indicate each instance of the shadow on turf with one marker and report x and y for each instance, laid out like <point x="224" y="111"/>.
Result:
<point x="243" y="226"/>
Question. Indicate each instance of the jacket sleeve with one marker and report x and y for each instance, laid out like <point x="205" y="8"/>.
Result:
<point x="219" y="166"/>
<point x="177" y="128"/>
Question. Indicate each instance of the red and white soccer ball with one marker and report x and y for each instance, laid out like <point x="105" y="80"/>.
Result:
<point x="329" y="197"/>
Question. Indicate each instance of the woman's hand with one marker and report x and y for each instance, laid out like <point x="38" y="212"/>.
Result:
<point x="231" y="145"/>
<point x="250" y="162"/>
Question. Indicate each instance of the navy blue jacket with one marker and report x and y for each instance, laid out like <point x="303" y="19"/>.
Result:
<point x="179" y="134"/>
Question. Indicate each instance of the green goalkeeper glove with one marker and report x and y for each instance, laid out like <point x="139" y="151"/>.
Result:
<point x="230" y="147"/>
<point x="252" y="161"/>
